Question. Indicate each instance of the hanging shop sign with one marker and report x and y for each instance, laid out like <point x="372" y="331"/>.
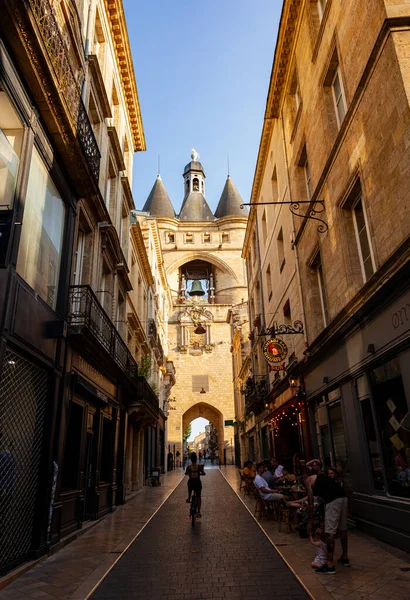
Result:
<point x="275" y="351"/>
<point x="280" y="367"/>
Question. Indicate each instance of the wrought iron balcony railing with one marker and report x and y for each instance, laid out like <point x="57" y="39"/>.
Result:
<point x="159" y="351"/>
<point x="87" y="313"/>
<point x="146" y="395"/>
<point x="69" y="84"/>
<point x="255" y="390"/>
<point x="152" y="329"/>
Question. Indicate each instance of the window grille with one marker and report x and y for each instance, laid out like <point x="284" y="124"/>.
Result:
<point x="23" y="399"/>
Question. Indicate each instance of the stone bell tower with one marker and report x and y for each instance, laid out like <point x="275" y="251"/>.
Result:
<point x="206" y="274"/>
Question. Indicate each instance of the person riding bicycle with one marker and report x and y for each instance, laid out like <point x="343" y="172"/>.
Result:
<point x="194" y="472"/>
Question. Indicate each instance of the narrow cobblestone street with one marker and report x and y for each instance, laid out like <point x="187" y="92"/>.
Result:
<point x="226" y="555"/>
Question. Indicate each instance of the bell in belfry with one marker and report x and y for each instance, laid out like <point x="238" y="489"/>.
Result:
<point x="196" y="289"/>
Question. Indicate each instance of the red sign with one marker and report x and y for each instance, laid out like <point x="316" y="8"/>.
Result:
<point x="275" y="351"/>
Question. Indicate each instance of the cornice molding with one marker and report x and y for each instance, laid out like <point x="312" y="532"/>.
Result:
<point x="119" y="34"/>
<point x="136" y="236"/>
<point x="291" y="13"/>
<point x="283" y="52"/>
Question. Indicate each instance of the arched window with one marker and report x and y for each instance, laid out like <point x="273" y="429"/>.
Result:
<point x="195" y="185"/>
<point x="186" y="186"/>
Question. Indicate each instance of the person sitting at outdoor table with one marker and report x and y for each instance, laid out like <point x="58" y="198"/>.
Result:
<point x="286" y="478"/>
<point x="266" y="493"/>
<point x="268" y="475"/>
<point x="314" y="466"/>
<point x="276" y="468"/>
<point x="248" y="471"/>
<point x="333" y="473"/>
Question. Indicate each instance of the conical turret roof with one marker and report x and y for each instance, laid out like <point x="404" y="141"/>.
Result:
<point x="195" y="208"/>
<point x="230" y="201"/>
<point x="158" y="203"/>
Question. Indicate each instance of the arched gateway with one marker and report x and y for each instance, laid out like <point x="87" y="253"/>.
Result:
<point x="206" y="276"/>
<point x="214" y="416"/>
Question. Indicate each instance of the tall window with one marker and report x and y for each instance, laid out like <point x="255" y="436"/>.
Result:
<point x="11" y="137"/>
<point x="304" y="175"/>
<point x="99" y="42"/>
<point x="386" y="421"/>
<point x="264" y="227"/>
<point x="111" y="191"/>
<point x="83" y="254"/>
<point x="281" y="250"/>
<point x="275" y="186"/>
<point x="339" y="97"/>
<point x="363" y="240"/>
<point x="334" y="93"/>
<point x="115" y="106"/>
<point x="308" y="179"/>
<point x="269" y="283"/>
<point x="124" y="229"/>
<point x="41" y="241"/>
<point x="322" y="290"/>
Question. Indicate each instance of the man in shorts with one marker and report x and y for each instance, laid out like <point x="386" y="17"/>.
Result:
<point x="335" y="501"/>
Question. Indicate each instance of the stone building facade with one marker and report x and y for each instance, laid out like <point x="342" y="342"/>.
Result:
<point x="336" y="133"/>
<point x="201" y="250"/>
<point x="70" y="123"/>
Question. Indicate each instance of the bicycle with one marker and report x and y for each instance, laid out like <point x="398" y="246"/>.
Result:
<point x="193" y="510"/>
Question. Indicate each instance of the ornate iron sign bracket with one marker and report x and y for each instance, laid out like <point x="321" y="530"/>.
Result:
<point x="317" y="207"/>
<point x="282" y="329"/>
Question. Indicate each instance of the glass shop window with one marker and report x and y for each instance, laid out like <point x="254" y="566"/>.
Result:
<point x="11" y="137"/>
<point x="332" y="436"/>
<point x="41" y="241"/>
<point x="372" y="445"/>
<point x="391" y="410"/>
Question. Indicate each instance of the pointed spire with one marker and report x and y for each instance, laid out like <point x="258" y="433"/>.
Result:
<point x="195" y="208"/>
<point x="158" y="203"/>
<point x="230" y="201"/>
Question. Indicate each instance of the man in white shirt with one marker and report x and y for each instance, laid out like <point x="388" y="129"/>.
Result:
<point x="264" y="490"/>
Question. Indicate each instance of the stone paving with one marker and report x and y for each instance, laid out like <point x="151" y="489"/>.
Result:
<point x="72" y="572"/>
<point x="378" y="571"/>
<point x="226" y="555"/>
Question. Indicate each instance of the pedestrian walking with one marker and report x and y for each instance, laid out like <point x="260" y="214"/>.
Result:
<point x="335" y="501"/>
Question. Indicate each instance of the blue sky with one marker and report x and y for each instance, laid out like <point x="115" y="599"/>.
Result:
<point x="202" y="72"/>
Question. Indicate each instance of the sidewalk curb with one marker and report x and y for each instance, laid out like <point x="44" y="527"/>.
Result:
<point x="75" y="596"/>
<point x="308" y="592"/>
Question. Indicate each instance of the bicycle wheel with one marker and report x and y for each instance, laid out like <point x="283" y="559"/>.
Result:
<point x="193" y="509"/>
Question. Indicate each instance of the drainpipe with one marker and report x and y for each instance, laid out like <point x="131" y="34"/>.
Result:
<point x="91" y="7"/>
<point x="294" y="234"/>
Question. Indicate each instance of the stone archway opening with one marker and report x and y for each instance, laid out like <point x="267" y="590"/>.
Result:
<point x="212" y="415"/>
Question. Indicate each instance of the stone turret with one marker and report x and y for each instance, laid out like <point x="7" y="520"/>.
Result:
<point x="158" y="203"/>
<point x="230" y="202"/>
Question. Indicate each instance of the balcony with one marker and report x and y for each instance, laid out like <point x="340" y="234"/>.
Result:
<point x="146" y="396"/>
<point x="255" y="390"/>
<point x="55" y="78"/>
<point x="88" y="319"/>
